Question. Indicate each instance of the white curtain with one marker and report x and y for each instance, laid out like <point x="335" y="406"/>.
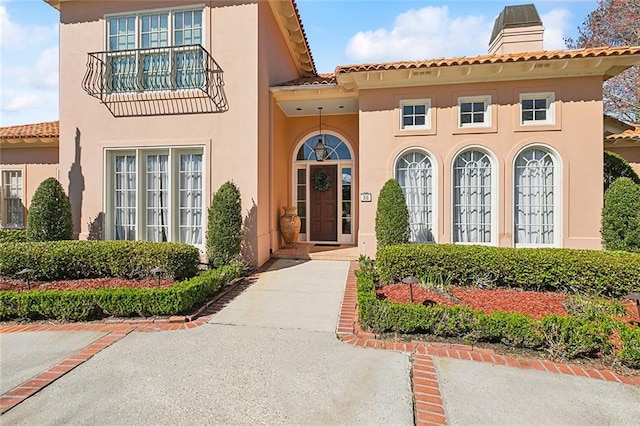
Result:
<point x="190" y="198"/>
<point x="534" y="197"/>
<point x="472" y="197"/>
<point x="157" y="198"/>
<point x="125" y="197"/>
<point x="414" y="173"/>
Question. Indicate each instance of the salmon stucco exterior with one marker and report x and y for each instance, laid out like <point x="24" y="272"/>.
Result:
<point x="161" y="102"/>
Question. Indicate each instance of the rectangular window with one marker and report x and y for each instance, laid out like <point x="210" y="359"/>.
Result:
<point x="143" y="54"/>
<point x="346" y="201"/>
<point x="474" y="111"/>
<point x="169" y="191"/>
<point x="537" y="109"/>
<point x="301" y="199"/>
<point x="415" y="114"/>
<point x="12" y="204"/>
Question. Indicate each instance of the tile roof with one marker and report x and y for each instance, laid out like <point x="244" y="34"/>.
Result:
<point x="50" y="129"/>
<point x="493" y="59"/>
<point x="318" y="80"/>
<point x="304" y="35"/>
<point x="630" y="134"/>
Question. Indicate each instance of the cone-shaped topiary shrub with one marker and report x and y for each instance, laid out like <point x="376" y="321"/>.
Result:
<point x="621" y="216"/>
<point x="616" y="167"/>
<point x="392" y="216"/>
<point x="224" y="236"/>
<point x="49" y="217"/>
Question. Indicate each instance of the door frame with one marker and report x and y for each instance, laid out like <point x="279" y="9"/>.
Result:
<point x="306" y="166"/>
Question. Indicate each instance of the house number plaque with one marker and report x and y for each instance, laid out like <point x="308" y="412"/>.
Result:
<point x="365" y="197"/>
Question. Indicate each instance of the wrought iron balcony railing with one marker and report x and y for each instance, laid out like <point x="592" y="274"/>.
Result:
<point x="157" y="81"/>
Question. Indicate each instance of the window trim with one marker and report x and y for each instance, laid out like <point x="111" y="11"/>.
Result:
<point x="557" y="196"/>
<point x="488" y="119"/>
<point x="494" y="194"/>
<point x="22" y="198"/>
<point x="415" y="102"/>
<point x="174" y="152"/>
<point x="551" y="109"/>
<point x="139" y="72"/>
<point x="434" y="185"/>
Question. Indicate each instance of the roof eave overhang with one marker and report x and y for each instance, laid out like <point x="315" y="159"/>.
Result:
<point x="54" y="3"/>
<point x="30" y="142"/>
<point x="421" y="75"/>
<point x="310" y="92"/>
<point x="291" y="28"/>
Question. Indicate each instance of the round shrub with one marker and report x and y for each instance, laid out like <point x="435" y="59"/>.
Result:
<point x="616" y="167"/>
<point x="392" y="216"/>
<point x="224" y="236"/>
<point x="49" y="217"/>
<point x="620" y="216"/>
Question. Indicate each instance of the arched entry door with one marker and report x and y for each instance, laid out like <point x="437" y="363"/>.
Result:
<point x="323" y="191"/>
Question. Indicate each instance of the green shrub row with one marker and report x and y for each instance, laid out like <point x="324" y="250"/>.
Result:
<point x="562" y="337"/>
<point x="593" y="272"/>
<point x="81" y="305"/>
<point x="58" y="260"/>
<point x="13" y="235"/>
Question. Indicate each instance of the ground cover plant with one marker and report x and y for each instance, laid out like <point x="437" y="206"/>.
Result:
<point x="562" y="325"/>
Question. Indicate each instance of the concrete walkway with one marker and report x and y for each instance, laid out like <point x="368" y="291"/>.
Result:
<point x="270" y="357"/>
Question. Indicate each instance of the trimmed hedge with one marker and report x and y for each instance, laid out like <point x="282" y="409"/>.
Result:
<point x="594" y="272"/>
<point x="13" y="235"/>
<point x="59" y="260"/>
<point x="81" y="305"/>
<point x="562" y="337"/>
<point x="392" y="216"/>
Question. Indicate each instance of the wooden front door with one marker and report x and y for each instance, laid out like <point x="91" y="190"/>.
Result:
<point x="324" y="207"/>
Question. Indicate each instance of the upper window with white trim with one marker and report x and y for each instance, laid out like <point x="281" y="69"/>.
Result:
<point x="474" y="111"/>
<point x="151" y="50"/>
<point x="537" y="109"/>
<point x="415" y="114"/>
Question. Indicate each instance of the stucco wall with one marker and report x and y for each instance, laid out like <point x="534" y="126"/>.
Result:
<point x="576" y="138"/>
<point x="629" y="153"/>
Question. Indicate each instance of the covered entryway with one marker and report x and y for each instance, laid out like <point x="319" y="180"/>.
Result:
<point x="323" y="191"/>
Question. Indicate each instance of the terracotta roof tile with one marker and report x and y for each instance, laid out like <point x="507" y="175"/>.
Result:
<point x="304" y="35"/>
<point x="50" y="129"/>
<point x="493" y="59"/>
<point x="626" y="135"/>
<point x="318" y="80"/>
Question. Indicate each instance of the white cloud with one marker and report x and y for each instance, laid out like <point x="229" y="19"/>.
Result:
<point x="432" y="32"/>
<point x="13" y="101"/>
<point x="556" y="23"/>
<point x="14" y="35"/>
<point x="424" y="33"/>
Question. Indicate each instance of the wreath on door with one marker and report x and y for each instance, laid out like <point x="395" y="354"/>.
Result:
<point x="321" y="180"/>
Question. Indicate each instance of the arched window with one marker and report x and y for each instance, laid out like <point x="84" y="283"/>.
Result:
<point x="414" y="173"/>
<point x="473" y="195"/>
<point x="535" y="193"/>
<point x="336" y="149"/>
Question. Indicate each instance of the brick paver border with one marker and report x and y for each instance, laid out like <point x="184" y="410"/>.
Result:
<point x="428" y="407"/>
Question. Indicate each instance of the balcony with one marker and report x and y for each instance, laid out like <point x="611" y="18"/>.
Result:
<point x="157" y="81"/>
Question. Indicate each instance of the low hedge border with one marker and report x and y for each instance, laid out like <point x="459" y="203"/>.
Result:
<point x="59" y="260"/>
<point x="593" y="272"/>
<point x="13" y="235"/>
<point x="562" y="337"/>
<point x="80" y="305"/>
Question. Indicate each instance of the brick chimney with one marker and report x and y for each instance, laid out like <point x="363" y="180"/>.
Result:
<point x="517" y="29"/>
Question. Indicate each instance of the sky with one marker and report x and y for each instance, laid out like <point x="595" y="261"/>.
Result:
<point x="340" y="32"/>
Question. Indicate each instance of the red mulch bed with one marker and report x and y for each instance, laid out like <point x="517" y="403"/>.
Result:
<point x="534" y="304"/>
<point x="85" y="284"/>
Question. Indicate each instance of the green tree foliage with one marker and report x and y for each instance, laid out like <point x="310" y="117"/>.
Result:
<point x="224" y="236"/>
<point x="621" y="216"/>
<point x="392" y="216"/>
<point x="615" y="23"/>
<point x="616" y="167"/>
<point x="49" y="217"/>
